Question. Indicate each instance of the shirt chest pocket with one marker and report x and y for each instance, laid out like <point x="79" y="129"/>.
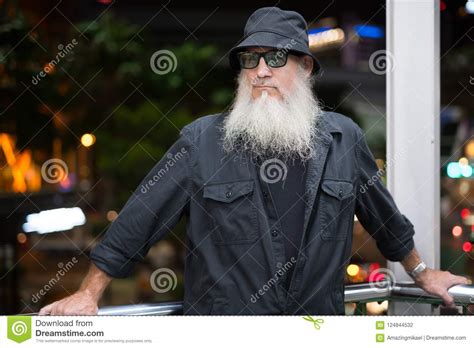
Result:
<point x="232" y="211"/>
<point x="337" y="213"/>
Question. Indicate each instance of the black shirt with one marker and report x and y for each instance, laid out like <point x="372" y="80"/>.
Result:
<point x="283" y="185"/>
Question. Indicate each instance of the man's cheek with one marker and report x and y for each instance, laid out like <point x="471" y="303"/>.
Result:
<point x="251" y="80"/>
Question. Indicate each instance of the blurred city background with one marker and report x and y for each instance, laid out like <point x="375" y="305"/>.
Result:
<point x="84" y="117"/>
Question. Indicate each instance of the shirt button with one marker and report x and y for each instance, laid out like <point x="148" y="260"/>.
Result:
<point x="274" y="232"/>
<point x="265" y="194"/>
<point x="228" y="194"/>
<point x="340" y="193"/>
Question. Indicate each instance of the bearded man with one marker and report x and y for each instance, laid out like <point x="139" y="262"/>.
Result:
<point x="269" y="191"/>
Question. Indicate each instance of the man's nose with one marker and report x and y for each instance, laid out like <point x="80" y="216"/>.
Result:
<point x="262" y="68"/>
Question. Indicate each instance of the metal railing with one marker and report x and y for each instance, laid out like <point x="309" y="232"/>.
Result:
<point x="360" y="294"/>
<point x="160" y="308"/>
<point x="463" y="295"/>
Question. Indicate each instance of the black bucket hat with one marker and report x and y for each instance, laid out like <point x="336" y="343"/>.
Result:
<point x="276" y="28"/>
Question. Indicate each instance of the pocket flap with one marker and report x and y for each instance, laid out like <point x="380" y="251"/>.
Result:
<point x="336" y="188"/>
<point x="228" y="192"/>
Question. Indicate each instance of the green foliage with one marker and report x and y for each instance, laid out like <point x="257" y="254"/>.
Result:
<point x="137" y="114"/>
<point x="105" y="85"/>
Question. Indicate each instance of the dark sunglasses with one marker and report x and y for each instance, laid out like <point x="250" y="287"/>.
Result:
<point x="274" y="59"/>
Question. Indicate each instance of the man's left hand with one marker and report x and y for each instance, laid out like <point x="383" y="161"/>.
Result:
<point x="437" y="283"/>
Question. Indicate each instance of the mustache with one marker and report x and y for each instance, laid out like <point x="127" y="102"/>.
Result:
<point x="255" y="83"/>
<point x="269" y="86"/>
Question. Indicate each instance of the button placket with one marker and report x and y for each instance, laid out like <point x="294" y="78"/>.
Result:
<point x="276" y="242"/>
<point x="276" y="238"/>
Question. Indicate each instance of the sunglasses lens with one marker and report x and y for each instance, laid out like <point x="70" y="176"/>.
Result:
<point x="248" y="60"/>
<point x="276" y="59"/>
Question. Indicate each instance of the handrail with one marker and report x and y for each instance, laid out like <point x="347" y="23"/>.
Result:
<point x="160" y="308"/>
<point x="366" y="292"/>
<point x="362" y="292"/>
<point x="407" y="291"/>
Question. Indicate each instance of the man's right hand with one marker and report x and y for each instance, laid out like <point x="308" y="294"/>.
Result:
<point x="85" y="300"/>
<point x="79" y="303"/>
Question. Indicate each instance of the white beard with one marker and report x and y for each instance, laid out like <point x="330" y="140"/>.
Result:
<point x="271" y="127"/>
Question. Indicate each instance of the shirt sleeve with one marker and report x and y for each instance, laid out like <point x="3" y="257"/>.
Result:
<point x="376" y="209"/>
<point x="150" y="213"/>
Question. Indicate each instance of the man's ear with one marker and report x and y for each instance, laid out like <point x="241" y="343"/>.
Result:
<point x="308" y="64"/>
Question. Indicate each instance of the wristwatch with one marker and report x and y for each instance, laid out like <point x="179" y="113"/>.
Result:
<point x="417" y="270"/>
